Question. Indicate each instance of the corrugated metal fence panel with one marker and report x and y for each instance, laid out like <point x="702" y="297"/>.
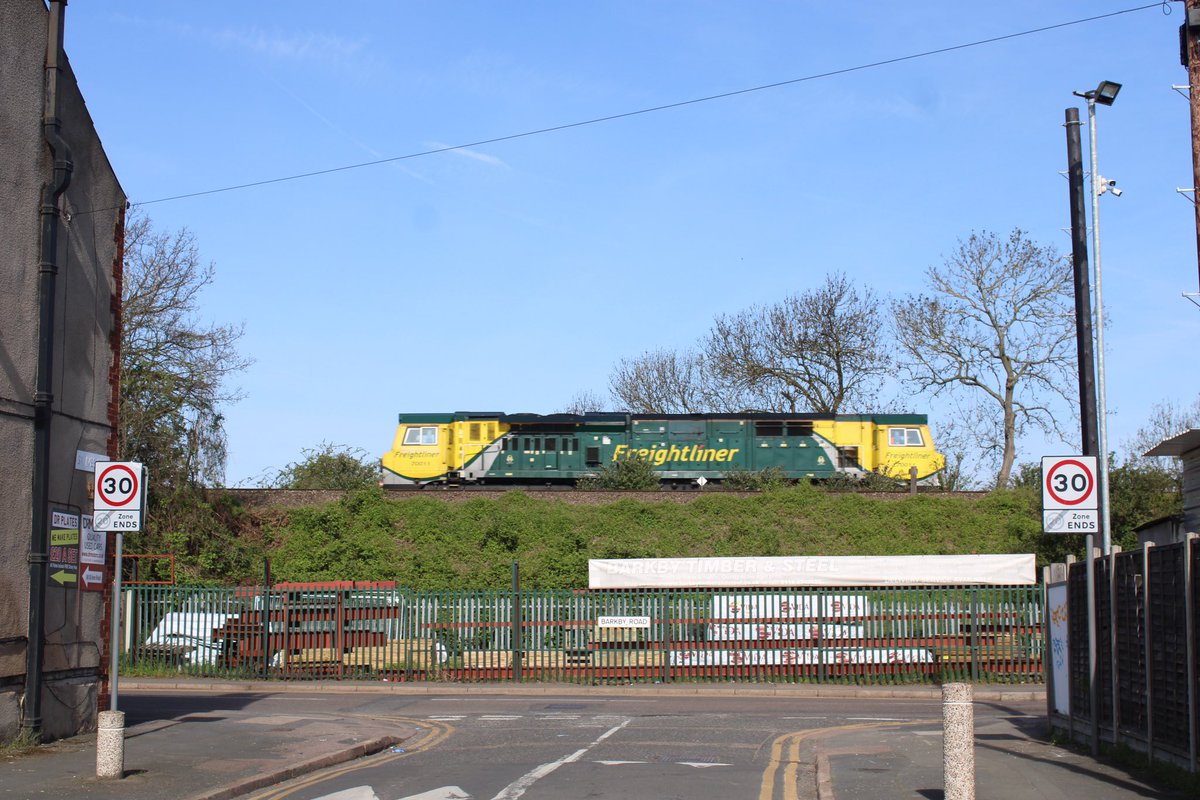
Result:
<point x="848" y="634"/>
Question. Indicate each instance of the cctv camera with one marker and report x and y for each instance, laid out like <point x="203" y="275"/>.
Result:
<point x="1116" y="192"/>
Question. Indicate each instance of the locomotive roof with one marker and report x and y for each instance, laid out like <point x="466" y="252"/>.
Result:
<point x="617" y="417"/>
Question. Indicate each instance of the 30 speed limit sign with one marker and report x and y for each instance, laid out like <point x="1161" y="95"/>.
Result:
<point x="118" y="501"/>
<point x="1070" y="502"/>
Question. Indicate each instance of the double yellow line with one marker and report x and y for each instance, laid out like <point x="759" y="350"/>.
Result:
<point x="785" y="752"/>
<point x="438" y="733"/>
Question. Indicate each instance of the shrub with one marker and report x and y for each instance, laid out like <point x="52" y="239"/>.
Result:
<point x="751" y="481"/>
<point x="629" y="474"/>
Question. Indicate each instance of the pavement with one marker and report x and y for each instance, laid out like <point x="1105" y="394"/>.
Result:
<point x="213" y="755"/>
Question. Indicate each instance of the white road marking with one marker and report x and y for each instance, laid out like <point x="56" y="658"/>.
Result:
<point x="449" y="718"/>
<point x="703" y="764"/>
<point x="500" y="717"/>
<point x="357" y="793"/>
<point x="520" y="785"/>
<point x="619" y="763"/>
<point x="444" y="793"/>
<point x="876" y="719"/>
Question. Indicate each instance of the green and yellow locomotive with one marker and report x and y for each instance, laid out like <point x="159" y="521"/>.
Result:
<point x="498" y="448"/>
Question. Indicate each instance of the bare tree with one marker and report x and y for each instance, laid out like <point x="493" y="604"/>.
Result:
<point x="583" y="402"/>
<point x="663" y="382"/>
<point x="820" y="350"/>
<point x="999" y="324"/>
<point x="174" y="367"/>
<point x="1166" y="420"/>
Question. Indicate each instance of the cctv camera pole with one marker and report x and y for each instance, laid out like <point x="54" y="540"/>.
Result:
<point x="1101" y="409"/>
<point x="1083" y="291"/>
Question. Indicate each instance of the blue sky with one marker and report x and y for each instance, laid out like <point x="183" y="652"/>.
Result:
<point x="514" y="275"/>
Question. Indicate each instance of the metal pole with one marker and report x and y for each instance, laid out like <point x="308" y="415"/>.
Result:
<point x="115" y="629"/>
<point x="1101" y="413"/>
<point x="1093" y="685"/>
<point x="266" y="618"/>
<point x="1083" y="292"/>
<point x="517" y="632"/>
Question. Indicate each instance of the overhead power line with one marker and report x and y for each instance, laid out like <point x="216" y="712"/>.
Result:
<point x="650" y="110"/>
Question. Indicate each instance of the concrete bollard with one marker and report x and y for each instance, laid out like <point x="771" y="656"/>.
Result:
<point x="958" y="741"/>
<point x="110" y="745"/>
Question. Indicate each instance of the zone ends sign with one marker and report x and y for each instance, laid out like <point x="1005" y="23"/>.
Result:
<point x="1069" y="499"/>
<point x="120" y="488"/>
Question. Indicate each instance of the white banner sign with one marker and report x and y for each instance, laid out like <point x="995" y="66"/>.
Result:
<point x="754" y="658"/>
<point x="789" y="606"/>
<point x="780" y="631"/>
<point x="785" y="571"/>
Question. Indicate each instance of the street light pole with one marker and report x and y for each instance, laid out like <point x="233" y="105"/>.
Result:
<point x="1105" y="94"/>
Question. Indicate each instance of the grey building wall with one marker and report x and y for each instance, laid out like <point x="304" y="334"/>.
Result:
<point x="83" y="375"/>
<point x="1191" y="491"/>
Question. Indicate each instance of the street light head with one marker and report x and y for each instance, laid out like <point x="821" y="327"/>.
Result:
<point x="1106" y="92"/>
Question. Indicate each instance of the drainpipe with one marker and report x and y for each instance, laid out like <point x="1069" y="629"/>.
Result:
<point x="43" y="398"/>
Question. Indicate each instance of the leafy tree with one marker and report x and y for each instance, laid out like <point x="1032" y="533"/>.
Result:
<point x="998" y="325"/>
<point x="174" y="367"/>
<point x="819" y="350"/>
<point x="1141" y="492"/>
<point x="329" y="466"/>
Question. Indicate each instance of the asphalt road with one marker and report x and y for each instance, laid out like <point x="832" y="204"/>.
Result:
<point x="559" y="748"/>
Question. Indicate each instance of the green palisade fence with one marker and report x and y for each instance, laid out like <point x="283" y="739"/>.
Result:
<point x="859" y="635"/>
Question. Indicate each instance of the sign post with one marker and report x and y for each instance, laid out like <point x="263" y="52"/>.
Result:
<point x="1070" y="502"/>
<point x="120" y="495"/>
<point x="1070" y="505"/>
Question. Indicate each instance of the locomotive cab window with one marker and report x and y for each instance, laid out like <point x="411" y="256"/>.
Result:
<point x="847" y="457"/>
<point x="905" y="437"/>
<point x="422" y="435"/>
